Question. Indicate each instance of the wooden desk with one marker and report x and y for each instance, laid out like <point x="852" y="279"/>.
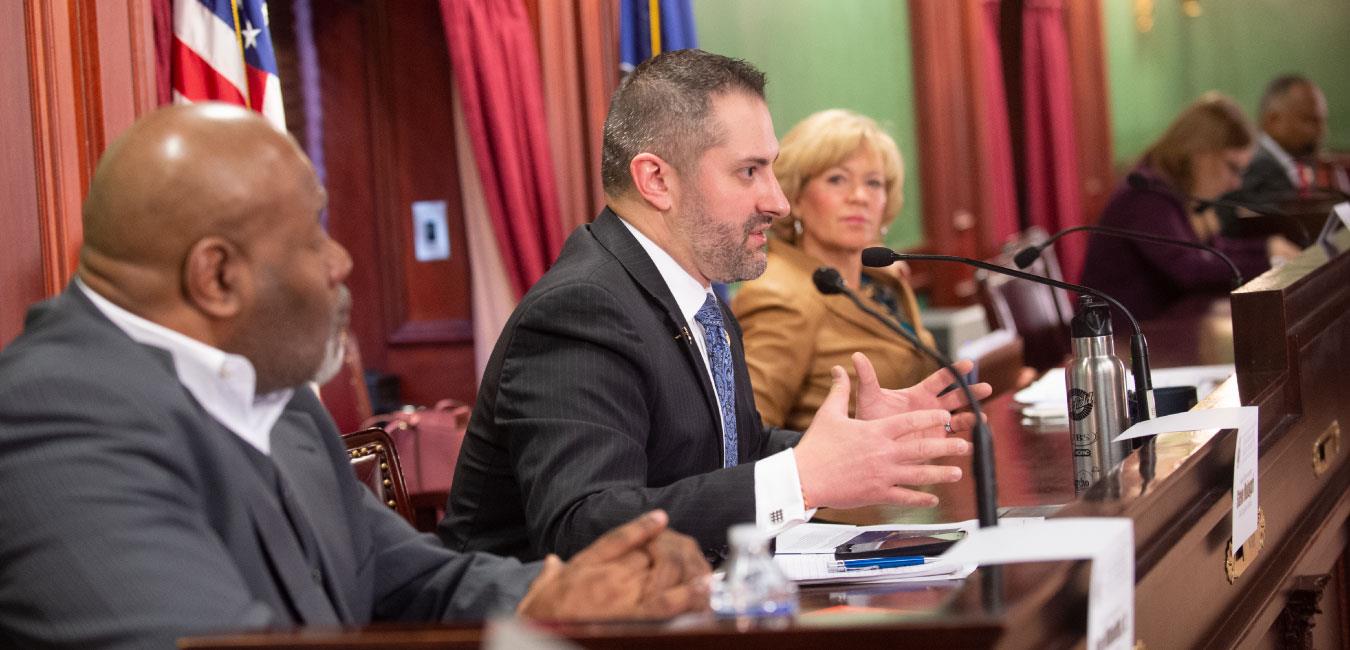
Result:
<point x="1290" y="342"/>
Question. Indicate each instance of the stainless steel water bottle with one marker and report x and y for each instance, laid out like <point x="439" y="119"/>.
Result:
<point x="1098" y="410"/>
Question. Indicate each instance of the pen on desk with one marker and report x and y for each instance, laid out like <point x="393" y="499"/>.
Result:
<point x="881" y="562"/>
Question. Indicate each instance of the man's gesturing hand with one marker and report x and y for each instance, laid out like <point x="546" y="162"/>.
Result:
<point x="843" y="462"/>
<point x="639" y="570"/>
<point x="875" y="402"/>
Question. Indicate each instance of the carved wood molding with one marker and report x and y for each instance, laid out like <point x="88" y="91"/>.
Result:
<point x="91" y="73"/>
<point x="433" y="331"/>
<point x="1296" y="619"/>
<point x="57" y="131"/>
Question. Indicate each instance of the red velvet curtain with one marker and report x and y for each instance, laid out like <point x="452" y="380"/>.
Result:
<point x="161" y="11"/>
<point x="1052" y="177"/>
<point x="998" y="187"/>
<point x="579" y="43"/>
<point x="495" y="64"/>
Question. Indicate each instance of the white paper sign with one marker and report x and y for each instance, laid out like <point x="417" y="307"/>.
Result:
<point x="1108" y="542"/>
<point x="1245" y="502"/>
<point x="431" y="233"/>
<point x="1343" y="211"/>
<point x="1243" y="418"/>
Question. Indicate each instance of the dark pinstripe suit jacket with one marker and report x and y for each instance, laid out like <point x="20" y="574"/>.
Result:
<point x="129" y="516"/>
<point x="595" y="408"/>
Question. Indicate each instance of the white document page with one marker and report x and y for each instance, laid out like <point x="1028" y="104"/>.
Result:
<point x="822" y="568"/>
<point x="1108" y="542"/>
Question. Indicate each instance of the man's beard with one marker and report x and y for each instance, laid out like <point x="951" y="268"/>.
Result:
<point x="720" y="251"/>
<point x="336" y="346"/>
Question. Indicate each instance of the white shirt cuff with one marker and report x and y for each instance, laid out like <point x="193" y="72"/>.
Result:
<point x="778" y="494"/>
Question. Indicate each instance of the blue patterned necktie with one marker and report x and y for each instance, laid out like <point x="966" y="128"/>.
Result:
<point x="719" y="357"/>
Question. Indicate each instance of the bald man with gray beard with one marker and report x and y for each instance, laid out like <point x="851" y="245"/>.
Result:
<point x="165" y="472"/>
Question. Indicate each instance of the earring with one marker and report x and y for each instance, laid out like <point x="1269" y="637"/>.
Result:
<point x="884" y="230"/>
<point x="797" y="226"/>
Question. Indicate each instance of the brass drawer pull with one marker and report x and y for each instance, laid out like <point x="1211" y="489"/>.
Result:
<point x="1327" y="447"/>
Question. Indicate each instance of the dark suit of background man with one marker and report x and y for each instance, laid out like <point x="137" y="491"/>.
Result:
<point x="1293" y="120"/>
<point x="164" y="470"/>
<point x="619" y="383"/>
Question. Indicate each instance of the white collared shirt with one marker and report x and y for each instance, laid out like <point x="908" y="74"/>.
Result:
<point x="1286" y="161"/>
<point x="778" y="487"/>
<point x="221" y="382"/>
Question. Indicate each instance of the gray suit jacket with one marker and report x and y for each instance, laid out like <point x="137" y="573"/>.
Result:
<point x="595" y="407"/>
<point x="129" y="517"/>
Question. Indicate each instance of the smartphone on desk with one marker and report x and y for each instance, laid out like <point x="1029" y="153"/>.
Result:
<point x="891" y="543"/>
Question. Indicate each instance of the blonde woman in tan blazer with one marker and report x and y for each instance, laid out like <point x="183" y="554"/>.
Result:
<point x="842" y="175"/>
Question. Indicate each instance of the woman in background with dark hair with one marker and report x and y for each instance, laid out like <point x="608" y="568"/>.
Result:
<point x="1201" y="154"/>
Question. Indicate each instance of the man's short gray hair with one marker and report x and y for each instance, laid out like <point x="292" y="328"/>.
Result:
<point x="663" y="107"/>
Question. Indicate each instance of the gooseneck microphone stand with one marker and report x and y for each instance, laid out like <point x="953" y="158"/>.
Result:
<point x="880" y="256"/>
<point x="829" y="282"/>
<point x="1030" y="254"/>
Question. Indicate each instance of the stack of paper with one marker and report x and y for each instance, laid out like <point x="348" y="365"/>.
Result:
<point x="1045" y="398"/>
<point x="822" y="568"/>
<point x="806" y="553"/>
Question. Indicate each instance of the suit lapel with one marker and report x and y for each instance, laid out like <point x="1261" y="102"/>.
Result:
<point x="614" y="236"/>
<point x="279" y="543"/>
<point x="313" y="489"/>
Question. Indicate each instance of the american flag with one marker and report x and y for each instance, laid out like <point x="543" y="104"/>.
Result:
<point x="222" y="51"/>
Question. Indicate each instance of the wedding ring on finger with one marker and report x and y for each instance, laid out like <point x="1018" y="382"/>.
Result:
<point x="948" y="427"/>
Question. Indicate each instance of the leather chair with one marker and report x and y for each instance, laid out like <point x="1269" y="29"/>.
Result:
<point x="1039" y="314"/>
<point x="376" y="465"/>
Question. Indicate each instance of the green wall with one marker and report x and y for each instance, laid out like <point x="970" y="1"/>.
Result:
<point x="821" y="55"/>
<point x="1234" y="46"/>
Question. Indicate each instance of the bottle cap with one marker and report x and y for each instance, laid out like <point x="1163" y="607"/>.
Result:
<point x="1093" y="318"/>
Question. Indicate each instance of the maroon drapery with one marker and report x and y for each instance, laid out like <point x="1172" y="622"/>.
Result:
<point x="1051" y="163"/>
<point x="999" y="185"/>
<point x="579" y="43"/>
<point x="161" y="11"/>
<point x="495" y="63"/>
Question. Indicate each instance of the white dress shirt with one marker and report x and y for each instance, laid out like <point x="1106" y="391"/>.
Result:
<point x="778" y="488"/>
<point x="221" y="382"/>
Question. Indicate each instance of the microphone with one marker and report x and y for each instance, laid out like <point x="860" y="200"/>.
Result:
<point x="1030" y="254"/>
<point x="1139" y="181"/>
<point x="829" y="282"/>
<point x="880" y="256"/>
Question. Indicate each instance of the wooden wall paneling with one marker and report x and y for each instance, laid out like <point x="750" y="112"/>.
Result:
<point x="388" y="142"/>
<point x="427" y="306"/>
<point x="436" y="293"/>
<point x="21" y="273"/>
<point x="340" y="39"/>
<point x="57" y="136"/>
<point x="946" y="153"/>
<point x="1092" y="114"/>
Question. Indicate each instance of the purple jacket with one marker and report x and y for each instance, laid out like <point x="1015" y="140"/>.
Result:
<point x="1147" y="277"/>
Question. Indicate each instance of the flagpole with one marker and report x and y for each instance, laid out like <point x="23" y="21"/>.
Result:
<point x="239" y="39"/>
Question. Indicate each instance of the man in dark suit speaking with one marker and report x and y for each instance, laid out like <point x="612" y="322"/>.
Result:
<point x="619" y="383"/>
<point x="166" y="472"/>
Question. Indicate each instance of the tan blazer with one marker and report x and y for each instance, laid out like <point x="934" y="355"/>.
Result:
<point x="793" y="335"/>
